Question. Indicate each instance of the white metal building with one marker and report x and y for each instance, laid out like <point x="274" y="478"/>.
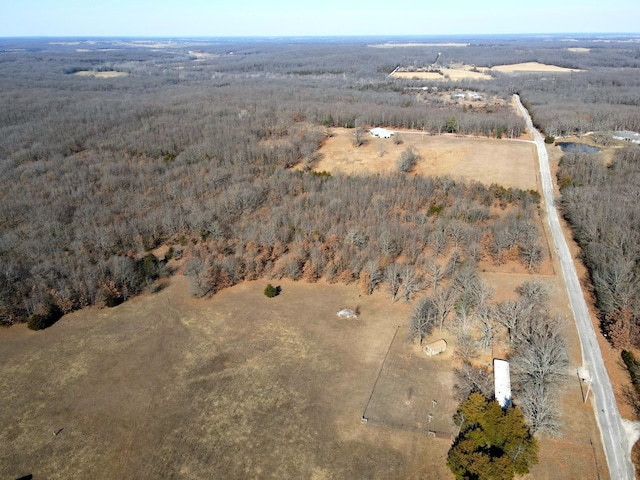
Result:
<point x="381" y="132"/>
<point x="502" y="379"/>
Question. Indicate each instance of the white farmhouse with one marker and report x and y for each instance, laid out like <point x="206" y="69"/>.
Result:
<point x="381" y="132"/>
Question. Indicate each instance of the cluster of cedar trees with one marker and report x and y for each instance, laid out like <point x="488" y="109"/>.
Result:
<point x="493" y="443"/>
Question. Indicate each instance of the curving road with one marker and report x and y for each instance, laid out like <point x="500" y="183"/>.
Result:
<point x="612" y="432"/>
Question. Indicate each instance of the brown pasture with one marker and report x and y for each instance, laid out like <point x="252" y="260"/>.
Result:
<point x="236" y="386"/>
<point x="505" y="162"/>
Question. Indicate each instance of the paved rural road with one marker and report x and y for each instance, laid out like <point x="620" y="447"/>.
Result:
<point x="613" y="435"/>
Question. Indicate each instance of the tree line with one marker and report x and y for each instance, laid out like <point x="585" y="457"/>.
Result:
<point x="601" y="203"/>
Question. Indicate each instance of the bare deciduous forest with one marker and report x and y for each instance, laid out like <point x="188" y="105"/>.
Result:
<point x="98" y="171"/>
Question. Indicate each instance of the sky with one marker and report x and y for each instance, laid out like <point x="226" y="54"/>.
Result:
<point x="222" y="18"/>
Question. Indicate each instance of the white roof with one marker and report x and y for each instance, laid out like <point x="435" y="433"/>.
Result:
<point x="381" y="132"/>
<point x="502" y="380"/>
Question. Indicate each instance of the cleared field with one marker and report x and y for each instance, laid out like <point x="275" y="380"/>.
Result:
<point x="113" y="74"/>
<point x="414" y="392"/>
<point x="462" y="72"/>
<point x="447" y="74"/>
<point x="507" y="163"/>
<point x="532" y="67"/>
<point x="238" y="386"/>
<point x="241" y="386"/>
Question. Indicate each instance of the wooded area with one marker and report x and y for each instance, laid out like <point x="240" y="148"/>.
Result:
<point x="194" y="149"/>
<point x="98" y="171"/>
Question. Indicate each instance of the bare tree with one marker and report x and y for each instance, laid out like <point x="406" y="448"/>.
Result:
<point x="358" y="136"/>
<point x="392" y="277"/>
<point x="407" y="160"/>
<point x="410" y="283"/>
<point x="510" y="314"/>
<point x="534" y="293"/>
<point x="473" y="379"/>
<point x="438" y="239"/>
<point x="197" y="269"/>
<point x="423" y="319"/>
<point x="485" y="323"/>
<point x="434" y="272"/>
<point x="375" y="276"/>
<point x="538" y="403"/>
<point x="540" y="354"/>
<point x="444" y="300"/>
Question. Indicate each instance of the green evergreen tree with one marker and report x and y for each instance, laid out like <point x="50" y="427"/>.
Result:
<point x="493" y="443"/>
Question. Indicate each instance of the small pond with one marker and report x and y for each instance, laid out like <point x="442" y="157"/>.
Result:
<point x="574" y="147"/>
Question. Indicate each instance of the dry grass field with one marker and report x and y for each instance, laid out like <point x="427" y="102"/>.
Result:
<point x="532" y="67"/>
<point x="453" y="74"/>
<point x="241" y="386"/>
<point x="469" y="72"/>
<point x="505" y="162"/>
<point x="111" y="74"/>
<point x="237" y="386"/>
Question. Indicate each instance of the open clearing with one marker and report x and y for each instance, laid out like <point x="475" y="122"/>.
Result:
<point x="533" y="67"/>
<point x="112" y="74"/>
<point x="507" y="163"/>
<point x="238" y="386"/>
<point x="241" y="386"/>
<point x="470" y="72"/>
<point x="447" y="74"/>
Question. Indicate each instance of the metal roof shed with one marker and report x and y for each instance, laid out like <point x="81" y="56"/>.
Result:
<point x="502" y="379"/>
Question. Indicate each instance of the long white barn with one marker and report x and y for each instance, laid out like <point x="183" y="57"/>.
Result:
<point x="502" y="380"/>
<point x="381" y="132"/>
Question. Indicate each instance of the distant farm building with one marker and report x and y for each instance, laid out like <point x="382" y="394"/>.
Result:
<point x="434" y="348"/>
<point x="381" y="132"/>
<point x="502" y="379"/>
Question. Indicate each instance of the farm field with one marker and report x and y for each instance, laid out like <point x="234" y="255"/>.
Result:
<point x="239" y="386"/>
<point x="229" y="387"/>
<point x="506" y="163"/>
<point x="468" y="72"/>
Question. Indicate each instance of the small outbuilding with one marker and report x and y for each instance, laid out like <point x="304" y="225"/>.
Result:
<point x="502" y="382"/>
<point x="381" y="132"/>
<point x="434" y="348"/>
<point x="347" y="313"/>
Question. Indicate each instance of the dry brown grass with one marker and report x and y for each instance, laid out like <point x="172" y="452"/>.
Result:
<point x="447" y="74"/>
<point x="534" y="67"/>
<point x="507" y="163"/>
<point x="87" y="73"/>
<point x="238" y="386"/>
<point x="469" y="72"/>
